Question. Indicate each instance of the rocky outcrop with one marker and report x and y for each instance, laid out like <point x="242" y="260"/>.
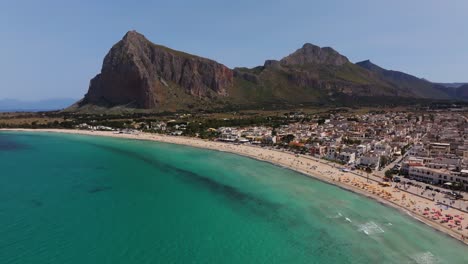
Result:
<point x="367" y="64"/>
<point x="311" y="54"/>
<point x="138" y="73"/>
<point x="272" y="64"/>
<point x="246" y="76"/>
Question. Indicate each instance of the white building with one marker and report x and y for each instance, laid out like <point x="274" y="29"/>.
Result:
<point x="438" y="176"/>
<point x="347" y="157"/>
<point x="370" y="160"/>
<point x="383" y="148"/>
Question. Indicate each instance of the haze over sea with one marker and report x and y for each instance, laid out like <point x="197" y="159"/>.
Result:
<point x="81" y="199"/>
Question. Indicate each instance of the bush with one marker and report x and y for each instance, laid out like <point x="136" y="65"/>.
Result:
<point x="389" y="174"/>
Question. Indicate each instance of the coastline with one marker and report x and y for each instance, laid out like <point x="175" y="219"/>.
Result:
<point x="402" y="201"/>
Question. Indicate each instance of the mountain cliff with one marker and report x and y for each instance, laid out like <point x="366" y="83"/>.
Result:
<point x="137" y="73"/>
<point x="140" y="74"/>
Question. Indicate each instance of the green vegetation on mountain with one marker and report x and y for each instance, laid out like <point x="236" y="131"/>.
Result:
<point x="138" y="74"/>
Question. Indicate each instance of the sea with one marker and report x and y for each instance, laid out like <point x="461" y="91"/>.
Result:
<point x="87" y="199"/>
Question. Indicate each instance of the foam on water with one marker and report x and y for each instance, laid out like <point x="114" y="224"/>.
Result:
<point x="370" y="228"/>
<point x="338" y="215"/>
<point x="425" y="258"/>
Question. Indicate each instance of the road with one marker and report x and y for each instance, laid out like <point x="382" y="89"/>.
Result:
<point x="381" y="173"/>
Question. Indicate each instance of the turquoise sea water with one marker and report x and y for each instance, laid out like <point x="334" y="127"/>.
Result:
<point x="81" y="199"/>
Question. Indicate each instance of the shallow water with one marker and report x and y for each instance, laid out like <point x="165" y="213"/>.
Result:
<point x="81" y="199"/>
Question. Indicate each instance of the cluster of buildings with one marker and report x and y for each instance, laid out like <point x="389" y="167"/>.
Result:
<point x="94" y="127"/>
<point x="441" y="156"/>
<point x="429" y="147"/>
<point x="254" y="135"/>
<point x="367" y="140"/>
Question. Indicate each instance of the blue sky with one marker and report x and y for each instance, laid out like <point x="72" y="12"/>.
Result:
<point x="51" y="48"/>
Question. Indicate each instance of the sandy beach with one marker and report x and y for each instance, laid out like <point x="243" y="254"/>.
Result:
<point x="450" y="221"/>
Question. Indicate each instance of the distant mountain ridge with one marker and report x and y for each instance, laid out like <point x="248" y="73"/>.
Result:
<point x="406" y="82"/>
<point x="137" y="73"/>
<point x="451" y="85"/>
<point x="457" y="91"/>
<point x="13" y="105"/>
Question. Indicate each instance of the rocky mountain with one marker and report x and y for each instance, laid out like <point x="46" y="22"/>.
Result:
<point x="461" y="92"/>
<point x="313" y="75"/>
<point x="137" y="73"/>
<point x="311" y="54"/>
<point x="405" y="82"/>
<point x="458" y="91"/>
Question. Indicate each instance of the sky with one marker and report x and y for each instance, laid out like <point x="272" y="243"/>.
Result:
<point x="51" y="48"/>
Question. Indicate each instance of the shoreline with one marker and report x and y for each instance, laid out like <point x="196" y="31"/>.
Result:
<point x="406" y="203"/>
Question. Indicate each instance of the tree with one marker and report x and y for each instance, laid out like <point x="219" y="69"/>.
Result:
<point x="368" y="171"/>
<point x="350" y="141"/>
<point x="405" y="149"/>
<point x="288" y="138"/>
<point x="389" y="174"/>
<point x="383" y="161"/>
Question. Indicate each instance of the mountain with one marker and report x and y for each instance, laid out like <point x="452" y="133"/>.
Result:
<point x="451" y="85"/>
<point x="401" y="81"/>
<point x="311" y="54"/>
<point x="140" y="74"/>
<point x="137" y="73"/>
<point x="13" y="105"/>
<point x="458" y="91"/>
<point x="461" y="92"/>
<point x="309" y="75"/>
